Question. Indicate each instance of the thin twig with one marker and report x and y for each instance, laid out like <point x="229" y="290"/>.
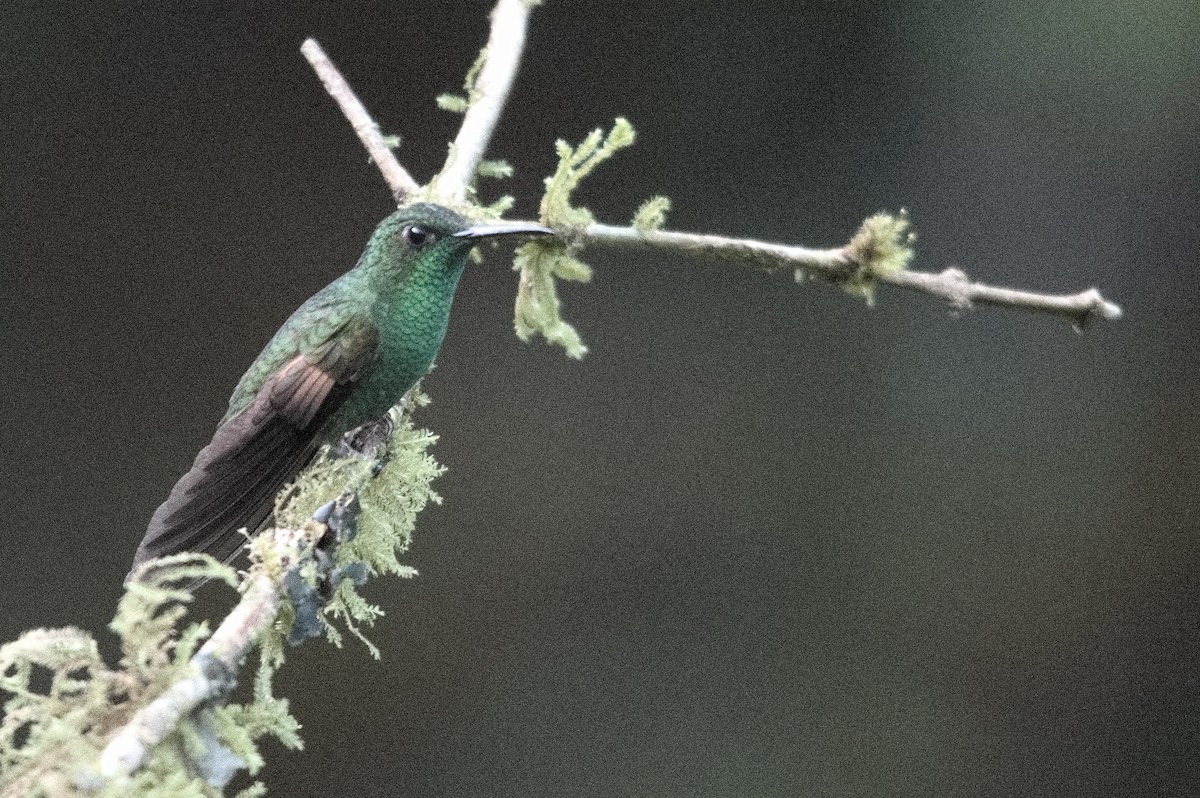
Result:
<point x="951" y="285"/>
<point x="398" y="179"/>
<point x="211" y="673"/>
<point x="954" y="286"/>
<point x="752" y="253"/>
<point x="490" y="92"/>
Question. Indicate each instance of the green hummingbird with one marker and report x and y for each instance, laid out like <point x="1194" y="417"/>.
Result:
<point x="344" y="358"/>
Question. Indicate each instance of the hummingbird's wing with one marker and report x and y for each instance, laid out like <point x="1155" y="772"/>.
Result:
<point x="233" y="482"/>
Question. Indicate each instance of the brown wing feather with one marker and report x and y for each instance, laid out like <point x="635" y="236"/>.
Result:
<point x="233" y="481"/>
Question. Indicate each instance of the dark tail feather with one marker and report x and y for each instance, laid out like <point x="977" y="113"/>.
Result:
<point x="231" y="486"/>
<point x="233" y="482"/>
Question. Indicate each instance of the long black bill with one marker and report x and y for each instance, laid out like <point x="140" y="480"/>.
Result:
<point x="489" y="230"/>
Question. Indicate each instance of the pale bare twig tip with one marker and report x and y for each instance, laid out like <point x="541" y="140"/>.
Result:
<point x="1109" y="310"/>
<point x="1090" y="307"/>
<point x="394" y="174"/>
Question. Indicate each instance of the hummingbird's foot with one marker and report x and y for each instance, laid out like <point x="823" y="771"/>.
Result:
<point x="370" y="441"/>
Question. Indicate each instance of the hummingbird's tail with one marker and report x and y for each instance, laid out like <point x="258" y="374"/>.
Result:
<point x="232" y="485"/>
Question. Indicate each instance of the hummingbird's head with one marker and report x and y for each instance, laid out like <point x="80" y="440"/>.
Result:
<point x="409" y="274"/>
<point x="424" y="248"/>
<point x="428" y="233"/>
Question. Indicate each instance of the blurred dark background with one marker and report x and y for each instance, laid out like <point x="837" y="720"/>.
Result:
<point x="763" y="540"/>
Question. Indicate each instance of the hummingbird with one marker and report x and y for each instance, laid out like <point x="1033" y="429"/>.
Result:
<point x="343" y="358"/>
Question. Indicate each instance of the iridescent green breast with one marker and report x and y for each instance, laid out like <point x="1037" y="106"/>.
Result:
<point x="411" y="322"/>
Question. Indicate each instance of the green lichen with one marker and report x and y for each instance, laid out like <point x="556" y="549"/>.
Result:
<point x="574" y="164"/>
<point x="46" y="724"/>
<point x="652" y="215"/>
<point x="543" y="262"/>
<point x="883" y="245"/>
<point x="497" y="169"/>
<point x="538" y="309"/>
<point x="66" y="701"/>
<point x="255" y="790"/>
<point x="239" y="726"/>
<point x="389" y="500"/>
<point x="454" y="103"/>
<point x="459" y="103"/>
<point x="499" y="207"/>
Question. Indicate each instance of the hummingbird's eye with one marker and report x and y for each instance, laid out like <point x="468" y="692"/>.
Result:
<point x="419" y="237"/>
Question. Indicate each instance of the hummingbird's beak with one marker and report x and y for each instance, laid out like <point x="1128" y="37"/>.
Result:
<point x="489" y="230"/>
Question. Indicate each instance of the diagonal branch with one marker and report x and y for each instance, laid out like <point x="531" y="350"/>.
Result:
<point x="510" y="19"/>
<point x="397" y="177"/>
<point x="300" y="570"/>
<point x="211" y="676"/>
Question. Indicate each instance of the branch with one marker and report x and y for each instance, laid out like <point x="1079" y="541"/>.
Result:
<point x="954" y="286"/>
<point x="397" y="177"/>
<point x="488" y="95"/>
<point x="843" y="264"/>
<point x="212" y="671"/>
<point x="838" y="265"/>
<point x="746" y="251"/>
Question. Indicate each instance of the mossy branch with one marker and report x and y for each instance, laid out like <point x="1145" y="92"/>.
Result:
<point x="159" y="723"/>
<point x="542" y="263"/>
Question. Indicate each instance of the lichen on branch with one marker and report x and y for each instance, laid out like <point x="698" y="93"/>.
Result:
<point x="52" y="736"/>
<point x="159" y="723"/>
<point x="652" y="215"/>
<point x="459" y="103"/>
<point x="538" y="309"/>
<point x="882" y="247"/>
<point x="543" y="262"/>
<point x="390" y="491"/>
